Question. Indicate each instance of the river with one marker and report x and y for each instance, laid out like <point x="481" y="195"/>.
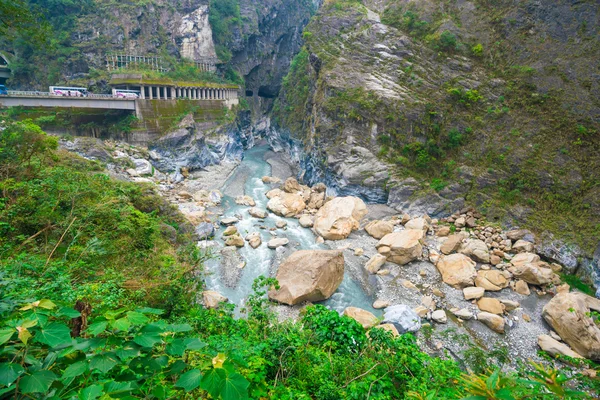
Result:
<point x="236" y="283"/>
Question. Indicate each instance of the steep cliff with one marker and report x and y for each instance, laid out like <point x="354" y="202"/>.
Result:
<point x="480" y="102"/>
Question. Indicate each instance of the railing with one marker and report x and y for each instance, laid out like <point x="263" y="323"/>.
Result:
<point x="21" y="93"/>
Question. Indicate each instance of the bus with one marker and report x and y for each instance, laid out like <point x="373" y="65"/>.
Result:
<point x="126" y="94"/>
<point x="68" y="91"/>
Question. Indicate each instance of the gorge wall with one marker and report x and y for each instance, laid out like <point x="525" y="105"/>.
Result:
<point x="442" y="104"/>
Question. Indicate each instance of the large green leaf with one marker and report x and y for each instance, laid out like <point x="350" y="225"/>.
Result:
<point x="147" y="340"/>
<point x="117" y="389"/>
<point x="9" y="373"/>
<point x="75" y="369"/>
<point x="6" y="334"/>
<point x="38" y="382"/>
<point x="213" y="382"/>
<point x="91" y="392"/>
<point x="97" y="328"/>
<point x="235" y="388"/>
<point x="103" y="362"/>
<point x="176" y="348"/>
<point x="194" y="344"/>
<point x="179" y="328"/>
<point x="148" y="310"/>
<point x="121" y="324"/>
<point x="228" y="385"/>
<point x="137" y="318"/>
<point x="69" y="312"/>
<point x="190" y="380"/>
<point x="54" y="334"/>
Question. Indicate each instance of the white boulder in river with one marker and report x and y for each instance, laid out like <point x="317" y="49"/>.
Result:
<point x="403" y="318"/>
<point x="309" y="275"/>
<point x="339" y="217"/>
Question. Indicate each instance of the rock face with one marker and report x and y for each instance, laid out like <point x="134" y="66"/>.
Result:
<point x="457" y="270"/>
<point x="339" y="217"/>
<point x="568" y="315"/>
<point x="309" y="275"/>
<point x="403" y="318"/>
<point x="363" y="317"/>
<point x="378" y="229"/>
<point x="402" y="247"/>
<point x="195" y="35"/>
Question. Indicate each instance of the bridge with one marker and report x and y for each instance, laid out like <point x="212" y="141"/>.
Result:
<point x="42" y="99"/>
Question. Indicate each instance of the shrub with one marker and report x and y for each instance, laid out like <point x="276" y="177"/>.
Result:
<point x="477" y="50"/>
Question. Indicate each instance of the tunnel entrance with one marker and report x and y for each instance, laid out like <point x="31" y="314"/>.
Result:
<point x="267" y="92"/>
<point x="249" y="93"/>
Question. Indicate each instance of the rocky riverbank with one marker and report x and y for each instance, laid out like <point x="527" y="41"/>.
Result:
<point x="459" y="281"/>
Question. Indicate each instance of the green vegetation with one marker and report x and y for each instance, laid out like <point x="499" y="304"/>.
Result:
<point x="224" y="18"/>
<point x="295" y="93"/>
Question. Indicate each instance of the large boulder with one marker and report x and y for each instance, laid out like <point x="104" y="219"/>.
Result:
<point x="363" y="317"/>
<point x="476" y="249"/>
<point x="538" y="273"/>
<point x="291" y="185"/>
<point x="569" y="315"/>
<point x="287" y="204"/>
<point x="451" y="244"/>
<point x="457" y="270"/>
<point x="309" y="275"/>
<point x="403" y="318"/>
<point x="491" y="280"/>
<point x="378" y="229"/>
<point x="524" y="258"/>
<point x="402" y="247"/>
<point x="418" y="223"/>
<point x="339" y="217"/>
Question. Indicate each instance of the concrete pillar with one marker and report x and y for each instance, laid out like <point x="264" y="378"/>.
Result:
<point x="150" y="95"/>
<point x="142" y="94"/>
<point x="158" y="94"/>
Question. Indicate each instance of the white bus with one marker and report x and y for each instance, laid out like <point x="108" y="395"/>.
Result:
<point x="68" y="91"/>
<point x="126" y="94"/>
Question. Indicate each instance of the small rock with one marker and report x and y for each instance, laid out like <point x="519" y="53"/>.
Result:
<point x="235" y="240"/>
<point x="523" y="246"/>
<point x="464" y="314"/>
<point x="510" y="305"/>
<point x="555" y="336"/>
<point x="254" y="240"/>
<point x="231" y="230"/>
<point x="409" y="285"/>
<point x="279" y="242"/>
<point x="229" y="221"/>
<point x="375" y="263"/>
<point x="212" y="299"/>
<point x="281" y="224"/>
<point x="421" y="311"/>
<point x="522" y="287"/>
<point x="492" y="321"/>
<point x="443" y="231"/>
<point x="437" y="292"/>
<point x="306" y="221"/>
<point x="359" y="252"/>
<point x="473" y="293"/>
<point x="460" y="222"/>
<point x="379" y="304"/>
<point x="245" y="201"/>
<point x="383" y="272"/>
<point x="439" y="316"/>
<point x="490" y="305"/>
<point x="526" y="318"/>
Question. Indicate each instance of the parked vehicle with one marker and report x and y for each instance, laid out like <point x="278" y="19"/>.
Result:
<point x="126" y="94"/>
<point x="68" y="91"/>
<point x="3" y="91"/>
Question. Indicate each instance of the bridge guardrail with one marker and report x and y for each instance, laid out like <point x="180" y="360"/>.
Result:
<point x="21" y="93"/>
